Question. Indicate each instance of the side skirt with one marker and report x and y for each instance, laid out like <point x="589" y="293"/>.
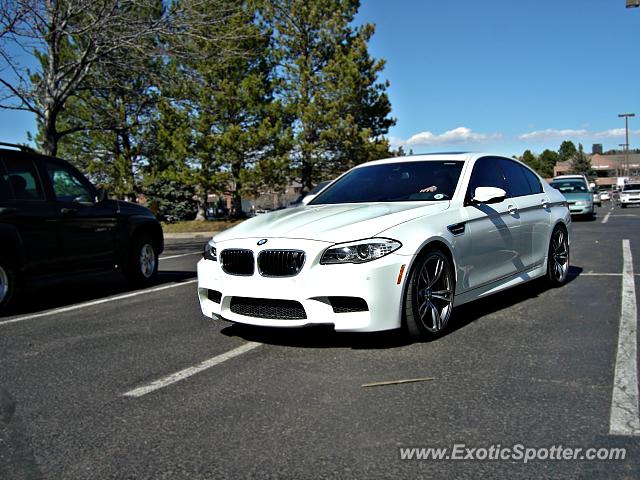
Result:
<point x="502" y="284"/>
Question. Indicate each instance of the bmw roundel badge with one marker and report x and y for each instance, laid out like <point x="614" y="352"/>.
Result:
<point x="262" y="242"/>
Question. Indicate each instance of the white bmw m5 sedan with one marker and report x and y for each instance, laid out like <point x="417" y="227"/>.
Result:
<point x="391" y="243"/>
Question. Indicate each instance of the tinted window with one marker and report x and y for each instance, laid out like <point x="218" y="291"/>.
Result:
<point x="486" y="174"/>
<point x="631" y="186"/>
<point x="68" y="186"/>
<point x="517" y="182"/>
<point x="23" y="179"/>
<point x="5" y="187"/>
<point x="534" y="181"/>
<point x="394" y="182"/>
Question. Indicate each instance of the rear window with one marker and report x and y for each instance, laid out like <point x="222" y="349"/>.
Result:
<point x="22" y="179"/>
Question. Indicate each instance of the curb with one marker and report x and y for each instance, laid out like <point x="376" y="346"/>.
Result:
<point x="169" y="236"/>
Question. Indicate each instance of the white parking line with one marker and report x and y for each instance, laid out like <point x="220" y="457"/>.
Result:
<point x="78" y="306"/>
<point x="188" y="372"/>
<point x="625" y="419"/>
<point x="181" y="255"/>
<point x="606" y="218"/>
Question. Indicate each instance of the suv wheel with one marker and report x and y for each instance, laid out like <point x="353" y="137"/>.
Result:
<point x="143" y="261"/>
<point x="7" y="283"/>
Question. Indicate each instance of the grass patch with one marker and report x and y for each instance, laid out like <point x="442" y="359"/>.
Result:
<point x="195" y="226"/>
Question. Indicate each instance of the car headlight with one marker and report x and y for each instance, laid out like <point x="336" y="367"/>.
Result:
<point x="359" y="251"/>
<point x="580" y="202"/>
<point x="624" y="196"/>
<point x="210" y="252"/>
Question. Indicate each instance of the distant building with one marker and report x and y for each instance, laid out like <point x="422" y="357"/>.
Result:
<point x="607" y="168"/>
<point x="596" y="149"/>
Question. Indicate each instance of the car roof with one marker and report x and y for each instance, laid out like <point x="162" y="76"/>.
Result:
<point x="432" y="157"/>
<point x="568" y="177"/>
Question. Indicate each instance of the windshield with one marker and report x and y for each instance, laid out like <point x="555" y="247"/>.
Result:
<point x="631" y="186"/>
<point x="394" y="182"/>
<point x="570" y="186"/>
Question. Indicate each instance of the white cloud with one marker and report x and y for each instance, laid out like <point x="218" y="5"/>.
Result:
<point x="615" y="133"/>
<point x="553" y="134"/>
<point x="457" y="136"/>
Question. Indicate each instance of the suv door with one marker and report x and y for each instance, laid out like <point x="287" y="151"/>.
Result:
<point x="494" y="229"/>
<point x="533" y="207"/>
<point x="26" y="215"/>
<point x="87" y="228"/>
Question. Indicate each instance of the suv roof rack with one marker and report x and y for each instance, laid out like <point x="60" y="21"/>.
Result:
<point x="22" y="148"/>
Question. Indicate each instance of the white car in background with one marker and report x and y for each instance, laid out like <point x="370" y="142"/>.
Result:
<point x="630" y="194"/>
<point x="391" y="243"/>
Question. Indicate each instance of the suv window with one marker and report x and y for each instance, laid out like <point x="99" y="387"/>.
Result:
<point x="67" y="185"/>
<point x="486" y="174"/>
<point x="5" y="187"/>
<point x="518" y="184"/>
<point x="23" y="179"/>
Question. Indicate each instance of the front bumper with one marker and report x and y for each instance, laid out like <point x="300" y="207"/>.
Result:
<point x="630" y="200"/>
<point x="581" y="209"/>
<point x="375" y="282"/>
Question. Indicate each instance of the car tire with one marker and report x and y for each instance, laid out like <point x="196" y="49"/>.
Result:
<point x="429" y="296"/>
<point x="558" y="257"/>
<point x="142" y="266"/>
<point x="7" y="283"/>
<point x="622" y="205"/>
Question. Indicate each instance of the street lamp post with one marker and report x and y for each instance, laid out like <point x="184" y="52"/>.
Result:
<point x="626" y="144"/>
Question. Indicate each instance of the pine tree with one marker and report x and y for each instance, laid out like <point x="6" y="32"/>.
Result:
<point x="330" y="86"/>
<point x="581" y="162"/>
<point x="230" y="120"/>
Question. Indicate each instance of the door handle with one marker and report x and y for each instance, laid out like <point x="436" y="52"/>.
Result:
<point x="68" y="211"/>
<point x="513" y="210"/>
<point x="544" y="204"/>
<point x="7" y="210"/>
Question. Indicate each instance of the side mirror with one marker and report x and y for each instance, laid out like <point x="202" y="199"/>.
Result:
<point x="489" y="195"/>
<point x="101" y="195"/>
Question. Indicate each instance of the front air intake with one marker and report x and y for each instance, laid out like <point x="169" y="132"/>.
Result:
<point x="268" y="308"/>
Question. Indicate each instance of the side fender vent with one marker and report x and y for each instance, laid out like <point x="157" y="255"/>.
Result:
<point x="456" y="229"/>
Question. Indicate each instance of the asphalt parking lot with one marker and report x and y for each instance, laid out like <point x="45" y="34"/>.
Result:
<point x="100" y="382"/>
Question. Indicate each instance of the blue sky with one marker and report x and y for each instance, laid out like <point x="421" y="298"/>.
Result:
<point x="496" y="75"/>
<point x="508" y="75"/>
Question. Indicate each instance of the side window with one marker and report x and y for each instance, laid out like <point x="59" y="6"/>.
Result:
<point x="485" y="174"/>
<point x="516" y="180"/>
<point x="67" y="185"/>
<point x="5" y="187"/>
<point x="23" y="179"/>
<point x="534" y="182"/>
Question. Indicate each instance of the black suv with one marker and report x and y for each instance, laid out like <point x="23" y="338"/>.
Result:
<point x="54" y="223"/>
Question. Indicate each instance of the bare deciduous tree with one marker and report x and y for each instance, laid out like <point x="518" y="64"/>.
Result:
<point x="70" y="39"/>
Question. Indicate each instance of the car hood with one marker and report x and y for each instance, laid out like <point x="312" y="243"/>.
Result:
<point x="128" y="208"/>
<point x="572" y="197"/>
<point x="331" y="223"/>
